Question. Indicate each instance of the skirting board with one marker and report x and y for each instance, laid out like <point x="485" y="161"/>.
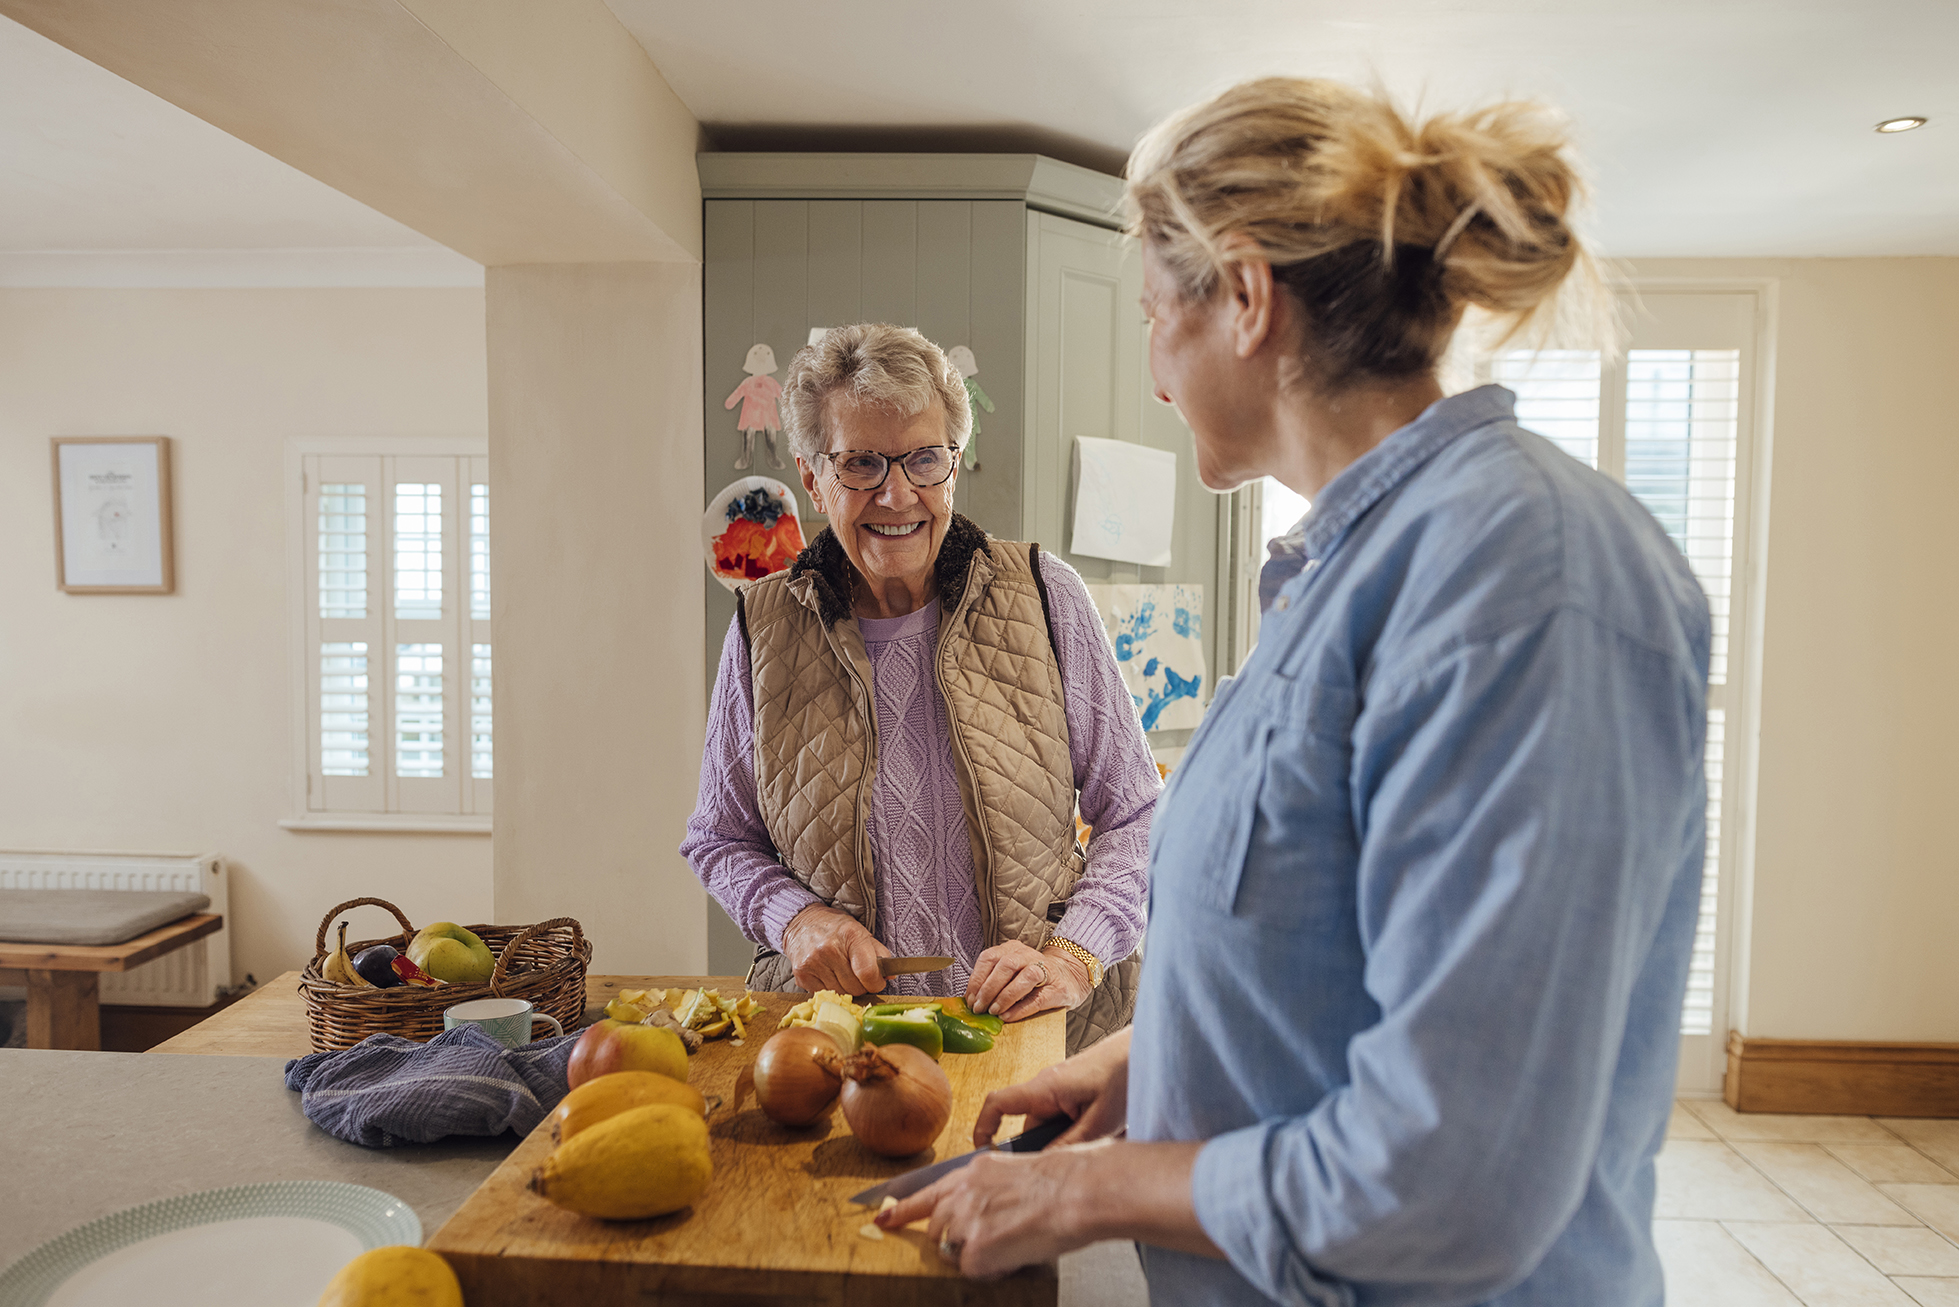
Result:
<point x="1841" y="1078"/>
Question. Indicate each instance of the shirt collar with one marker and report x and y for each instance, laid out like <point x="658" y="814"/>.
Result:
<point x="1365" y="481"/>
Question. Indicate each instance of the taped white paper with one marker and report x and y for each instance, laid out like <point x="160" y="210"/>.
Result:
<point x="1125" y="501"/>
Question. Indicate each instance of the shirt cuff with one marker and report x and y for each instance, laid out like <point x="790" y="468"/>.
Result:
<point x="1093" y="929"/>
<point x="780" y="907"/>
<point x="1229" y="1190"/>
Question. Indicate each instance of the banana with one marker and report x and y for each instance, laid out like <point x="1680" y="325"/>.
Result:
<point x="339" y="968"/>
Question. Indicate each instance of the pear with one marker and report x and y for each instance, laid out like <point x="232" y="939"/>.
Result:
<point x="448" y="952"/>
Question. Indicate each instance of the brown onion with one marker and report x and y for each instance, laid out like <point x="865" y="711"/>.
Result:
<point x="797" y="1075"/>
<point x="896" y="1098"/>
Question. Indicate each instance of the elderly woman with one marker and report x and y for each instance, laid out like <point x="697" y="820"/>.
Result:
<point x="903" y="721"/>
<point x="1426" y="880"/>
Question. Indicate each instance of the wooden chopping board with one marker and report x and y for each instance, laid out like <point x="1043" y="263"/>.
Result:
<point x="776" y="1225"/>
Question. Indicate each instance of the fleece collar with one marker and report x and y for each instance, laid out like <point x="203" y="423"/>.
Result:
<point x="831" y="576"/>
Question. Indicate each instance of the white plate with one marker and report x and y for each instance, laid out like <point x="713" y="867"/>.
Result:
<point x="262" y="1244"/>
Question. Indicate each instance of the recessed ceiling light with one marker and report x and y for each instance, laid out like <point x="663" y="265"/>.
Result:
<point x="1890" y="125"/>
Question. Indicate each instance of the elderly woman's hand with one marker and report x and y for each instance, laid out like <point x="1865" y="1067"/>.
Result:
<point x="830" y="949"/>
<point x="1013" y="981"/>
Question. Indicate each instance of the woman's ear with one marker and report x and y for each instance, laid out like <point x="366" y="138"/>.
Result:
<point x="1251" y="309"/>
<point x="809" y="483"/>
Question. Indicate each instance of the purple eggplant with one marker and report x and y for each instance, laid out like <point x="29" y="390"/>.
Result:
<point x="376" y="966"/>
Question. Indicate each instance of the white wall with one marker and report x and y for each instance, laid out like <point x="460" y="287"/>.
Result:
<point x="1855" y="925"/>
<point x="595" y="437"/>
<point x="160" y="723"/>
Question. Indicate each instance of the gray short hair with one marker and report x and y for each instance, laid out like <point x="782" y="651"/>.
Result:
<point x="875" y="363"/>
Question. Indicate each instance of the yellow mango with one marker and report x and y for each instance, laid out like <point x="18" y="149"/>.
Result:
<point x="645" y="1161"/>
<point x="394" y="1277"/>
<point x="606" y="1097"/>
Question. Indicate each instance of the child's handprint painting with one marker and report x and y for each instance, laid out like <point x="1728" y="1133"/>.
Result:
<point x="1158" y="632"/>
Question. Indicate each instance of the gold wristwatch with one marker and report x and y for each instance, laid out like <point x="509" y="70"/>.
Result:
<point x="1079" y="954"/>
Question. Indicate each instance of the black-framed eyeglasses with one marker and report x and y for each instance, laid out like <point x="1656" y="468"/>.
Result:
<point x="866" y="469"/>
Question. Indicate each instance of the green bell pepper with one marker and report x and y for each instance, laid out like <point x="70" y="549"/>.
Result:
<point x="959" y="1037"/>
<point x="917" y="1026"/>
<point x="956" y="1007"/>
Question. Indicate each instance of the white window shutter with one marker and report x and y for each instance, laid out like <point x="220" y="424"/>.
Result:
<point x="392" y="652"/>
<point x="341" y="529"/>
<point x="474" y="636"/>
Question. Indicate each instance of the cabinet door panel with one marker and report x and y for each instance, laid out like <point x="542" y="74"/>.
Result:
<point x="997" y="332"/>
<point x="836" y="267"/>
<point x="891" y="262"/>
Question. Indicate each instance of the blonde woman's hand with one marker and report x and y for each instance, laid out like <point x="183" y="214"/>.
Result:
<point x="1013" y="981"/>
<point x="1091" y="1089"/>
<point x="830" y="949"/>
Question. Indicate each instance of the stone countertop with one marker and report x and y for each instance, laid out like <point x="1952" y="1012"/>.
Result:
<point x="87" y="1134"/>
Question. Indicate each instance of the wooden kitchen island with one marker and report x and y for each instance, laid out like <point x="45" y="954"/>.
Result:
<point x="776" y="1225"/>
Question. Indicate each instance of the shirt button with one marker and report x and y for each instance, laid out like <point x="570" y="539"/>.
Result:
<point x="1282" y="603"/>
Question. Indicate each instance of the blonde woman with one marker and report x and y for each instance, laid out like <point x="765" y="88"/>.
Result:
<point x="1424" y="887"/>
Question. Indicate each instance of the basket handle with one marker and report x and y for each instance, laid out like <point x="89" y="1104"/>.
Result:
<point x="319" y="943"/>
<point x="529" y="933"/>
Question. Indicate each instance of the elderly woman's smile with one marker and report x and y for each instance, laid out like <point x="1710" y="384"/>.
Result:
<point x="891" y="532"/>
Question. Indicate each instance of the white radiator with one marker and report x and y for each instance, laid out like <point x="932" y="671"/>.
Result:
<point x="189" y="977"/>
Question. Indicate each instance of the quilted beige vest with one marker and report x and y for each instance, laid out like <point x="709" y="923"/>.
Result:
<point x="816" y="746"/>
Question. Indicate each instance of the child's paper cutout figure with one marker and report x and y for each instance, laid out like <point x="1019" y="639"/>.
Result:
<point x="749" y="530"/>
<point x="962" y="358"/>
<point x="758" y="396"/>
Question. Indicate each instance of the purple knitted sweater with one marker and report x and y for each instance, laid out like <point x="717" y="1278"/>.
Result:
<point x="927" y="899"/>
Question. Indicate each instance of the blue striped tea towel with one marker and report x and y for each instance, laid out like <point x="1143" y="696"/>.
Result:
<point x="387" y="1090"/>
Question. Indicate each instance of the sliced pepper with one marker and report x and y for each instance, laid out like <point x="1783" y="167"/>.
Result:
<point x="956" y="1007"/>
<point x="917" y="1026"/>
<point x="959" y="1037"/>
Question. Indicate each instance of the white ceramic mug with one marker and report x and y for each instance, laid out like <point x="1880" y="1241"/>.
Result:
<point x="509" y="1021"/>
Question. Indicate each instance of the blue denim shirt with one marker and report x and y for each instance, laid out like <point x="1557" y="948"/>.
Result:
<point x="1424" y="889"/>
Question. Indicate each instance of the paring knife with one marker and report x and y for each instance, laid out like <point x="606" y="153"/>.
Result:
<point x="904" y="1186"/>
<point x="910" y="966"/>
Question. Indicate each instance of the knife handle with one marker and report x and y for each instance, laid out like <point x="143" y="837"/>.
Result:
<point x="1033" y="1141"/>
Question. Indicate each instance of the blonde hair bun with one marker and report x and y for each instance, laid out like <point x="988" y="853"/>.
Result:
<point x="1385" y="229"/>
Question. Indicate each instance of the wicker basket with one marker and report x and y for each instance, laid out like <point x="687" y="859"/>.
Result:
<point x="544" y="963"/>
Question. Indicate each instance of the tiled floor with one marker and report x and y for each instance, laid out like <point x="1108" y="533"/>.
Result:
<point x="1808" y="1211"/>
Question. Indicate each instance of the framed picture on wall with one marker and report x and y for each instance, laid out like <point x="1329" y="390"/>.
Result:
<point x="112" y="524"/>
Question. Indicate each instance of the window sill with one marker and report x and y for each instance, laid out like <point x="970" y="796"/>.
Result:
<point x="388" y="823"/>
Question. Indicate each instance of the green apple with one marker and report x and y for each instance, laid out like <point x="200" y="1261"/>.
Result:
<point x="448" y="952"/>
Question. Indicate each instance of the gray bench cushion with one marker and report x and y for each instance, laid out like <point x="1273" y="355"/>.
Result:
<point x="90" y="916"/>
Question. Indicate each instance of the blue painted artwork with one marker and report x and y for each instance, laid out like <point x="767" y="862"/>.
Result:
<point x="1162" y="662"/>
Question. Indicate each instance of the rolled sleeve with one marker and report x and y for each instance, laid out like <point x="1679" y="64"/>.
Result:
<point x="1237" y="1216"/>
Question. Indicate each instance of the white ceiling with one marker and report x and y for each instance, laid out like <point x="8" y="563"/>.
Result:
<point x="102" y="182"/>
<point x="1712" y="127"/>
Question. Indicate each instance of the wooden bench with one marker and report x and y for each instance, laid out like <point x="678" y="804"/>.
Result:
<point x="62" y="979"/>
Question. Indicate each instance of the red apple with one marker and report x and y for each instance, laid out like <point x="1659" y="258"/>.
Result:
<point x="618" y="1046"/>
